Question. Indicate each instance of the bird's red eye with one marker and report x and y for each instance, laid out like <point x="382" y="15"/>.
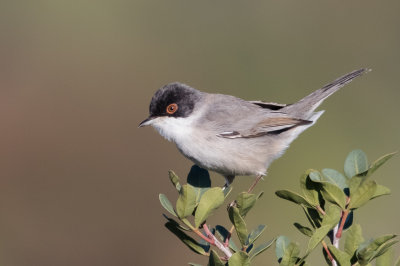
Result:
<point x="172" y="108"/>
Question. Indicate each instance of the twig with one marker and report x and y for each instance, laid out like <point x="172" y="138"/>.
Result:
<point x="344" y="218"/>
<point x="216" y="242"/>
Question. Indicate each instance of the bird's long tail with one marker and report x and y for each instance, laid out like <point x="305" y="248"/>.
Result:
<point x="304" y="108"/>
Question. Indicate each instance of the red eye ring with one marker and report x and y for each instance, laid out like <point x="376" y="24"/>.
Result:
<point x="172" y="108"/>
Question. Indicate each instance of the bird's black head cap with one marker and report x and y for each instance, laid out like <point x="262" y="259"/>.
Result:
<point x="175" y="100"/>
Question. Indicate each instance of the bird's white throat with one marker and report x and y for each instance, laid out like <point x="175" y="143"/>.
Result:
<point x="173" y="129"/>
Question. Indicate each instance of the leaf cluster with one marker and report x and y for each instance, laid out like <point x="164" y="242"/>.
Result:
<point x="196" y="202"/>
<point x="329" y="200"/>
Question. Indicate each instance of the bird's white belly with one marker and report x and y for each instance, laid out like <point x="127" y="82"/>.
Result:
<point x="206" y="149"/>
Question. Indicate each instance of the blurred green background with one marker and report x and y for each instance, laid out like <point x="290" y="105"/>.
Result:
<point x="80" y="182"/>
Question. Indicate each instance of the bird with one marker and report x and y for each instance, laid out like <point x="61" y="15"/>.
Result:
<point x="229" y="135"/>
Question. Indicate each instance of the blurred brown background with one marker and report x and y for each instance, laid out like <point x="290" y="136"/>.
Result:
<point x="79" y="181"/>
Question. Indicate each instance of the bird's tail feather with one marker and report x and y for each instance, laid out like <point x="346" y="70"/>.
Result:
<point x="308" y="104"/>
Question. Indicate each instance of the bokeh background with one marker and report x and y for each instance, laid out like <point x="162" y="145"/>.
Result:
<point x="79" y="181"/>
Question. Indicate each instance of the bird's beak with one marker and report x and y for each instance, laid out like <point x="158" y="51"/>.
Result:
<point x="147" y="121"/>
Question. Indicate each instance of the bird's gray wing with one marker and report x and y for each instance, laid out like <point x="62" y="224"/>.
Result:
<point x="230" y="117"/>
<point x="269" y="125"/>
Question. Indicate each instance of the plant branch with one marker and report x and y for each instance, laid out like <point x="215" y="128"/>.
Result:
<point x="344" y="218"/>
<point x="216" y="242"/>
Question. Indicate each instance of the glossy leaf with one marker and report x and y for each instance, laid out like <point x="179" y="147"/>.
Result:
<point x="280" y="246"/>
<point x="255" y="234"/>
<point x="167" y="204"/>
<point x="211" y="200"/>
<point x="363" y="194"/>
<point x="379" y="162"/>
<point x="342" y="258"/>
<point x="291" y="254"/>
<point x="304" y="230"/>
<point x="293" y="197"/>
<point x="240" y="225"/>
<point x="187" y="240"/>
<point x="261" y="248"/>
<point x="309" y="189"/>
<point x="355" y="163"/>
<point x="174" y="180"/>
<point x="239" y="259"/>
<point x="214" y="259"/>
<point x="244" y="202"/>
<point x="335" y="178"/>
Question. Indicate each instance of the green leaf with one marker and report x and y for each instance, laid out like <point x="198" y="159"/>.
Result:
<point x="174" y="179"/>
<point x="353" y="239"/>
<point x="341" y="257"/>
<point x="334" y="195"/>
<point x="186" y="201"/>
<point x="167" y="204"/>
<point x="381" y="191"/>
<point x="239" y="259"/>
<point x="214" y="259"/>
<point x="329" y="221"/>
<point x="330" y="191"/>
<point x="244" y="202"/>
<point x="385" y="259"/>
<point x="255" y="234"/>
<point x="293" y="197"/>
<point x="187" y="240"/>
<point x="355" y="163"/>
<point x="379" y="162"/>
<point x="354" y="183"/>
<point x="240" y="225"/>
<point x="280" y="246"/>
<point x="211" y="200"/>
<point x="291" y="254"/>
<point x="261" y="248"/>
<point x="309" y="189"/>
<point x="384" y="248"/>
<point x="373" y="248"/>
<point x="304" y="230"/>
<point x="363" y="194"/>
<point x="335" y="177"/>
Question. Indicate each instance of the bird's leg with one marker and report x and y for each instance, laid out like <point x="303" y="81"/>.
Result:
<point x="228" y="181"/>
<point x="258" y="177"/>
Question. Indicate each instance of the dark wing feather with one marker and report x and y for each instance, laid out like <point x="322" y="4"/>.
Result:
<point x="269" y="105"/>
